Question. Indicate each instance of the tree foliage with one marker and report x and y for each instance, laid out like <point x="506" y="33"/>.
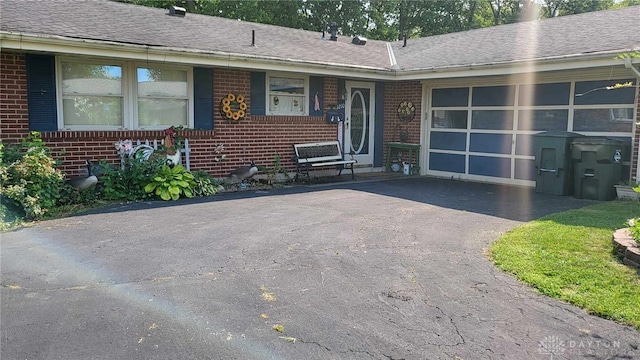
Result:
<point x="388" y="19"/>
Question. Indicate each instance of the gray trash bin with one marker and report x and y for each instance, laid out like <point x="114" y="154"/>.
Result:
<point x="597" y="165"/>
<point x="554" y="171"/>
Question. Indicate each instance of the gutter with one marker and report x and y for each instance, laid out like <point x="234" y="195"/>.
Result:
<point x="89" y="47"/>
<point x="565" y="62"/>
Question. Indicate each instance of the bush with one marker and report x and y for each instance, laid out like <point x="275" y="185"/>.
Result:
<point x="634" y="229"/>
<point x="169" y="183"/>
<point x="128" y="184"/>
<point x="205" y="184"/>
<point x="29" y="178"/>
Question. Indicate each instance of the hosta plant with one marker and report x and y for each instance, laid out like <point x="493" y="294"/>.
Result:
<point x="169" y="183"/>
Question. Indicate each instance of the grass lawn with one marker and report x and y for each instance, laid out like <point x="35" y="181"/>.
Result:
<point x="569" y="256"/>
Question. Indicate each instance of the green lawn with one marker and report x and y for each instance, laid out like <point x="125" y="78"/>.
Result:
<point x="569" y="256"/>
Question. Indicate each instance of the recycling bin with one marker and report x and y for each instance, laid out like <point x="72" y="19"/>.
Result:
<point x="597" y="164"/>
<point x="553" y="167"/>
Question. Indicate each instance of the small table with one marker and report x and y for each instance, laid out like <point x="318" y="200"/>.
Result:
<point x="404" y="146"/>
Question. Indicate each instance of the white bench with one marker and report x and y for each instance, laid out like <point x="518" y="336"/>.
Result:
<point x="315" y="155"/>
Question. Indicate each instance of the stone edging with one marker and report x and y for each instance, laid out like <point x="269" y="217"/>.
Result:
<point x="626" y="247"/>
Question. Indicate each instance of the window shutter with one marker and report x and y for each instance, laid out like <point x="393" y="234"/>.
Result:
<point x="203" y="98"/>
<point x="316" y="87"/>
<point x="41" y="90"/>
<point x="258" y="93"/>
<point x="379" y="126"/>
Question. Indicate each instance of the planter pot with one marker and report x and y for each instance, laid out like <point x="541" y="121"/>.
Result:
<point x="625" y="192"/>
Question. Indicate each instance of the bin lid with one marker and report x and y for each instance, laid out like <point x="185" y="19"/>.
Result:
<point x="592" y="140"/>
<point x="558" y="134"/>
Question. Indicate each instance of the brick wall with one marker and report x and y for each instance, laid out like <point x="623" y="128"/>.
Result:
<point x="256" y="138"/>
<point x="14" y="124"/>
<point x="259" y="138"/>
<point x="395" y="93"/>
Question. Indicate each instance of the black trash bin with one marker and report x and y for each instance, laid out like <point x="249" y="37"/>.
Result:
<point x="597" y="165"/>
<point x="552" y="151"/>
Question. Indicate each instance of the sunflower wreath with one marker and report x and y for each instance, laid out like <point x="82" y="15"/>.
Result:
<point x="233" y="107"/>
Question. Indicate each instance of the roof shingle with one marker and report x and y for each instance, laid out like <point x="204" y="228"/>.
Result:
<point x="132" y="24"/>
<point x="569" y="36"/>
<point x="589" y="33"/>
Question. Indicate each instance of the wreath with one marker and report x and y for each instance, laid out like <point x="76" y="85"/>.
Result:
<point x="233" y="107"/>
<point x="406" y="111"/>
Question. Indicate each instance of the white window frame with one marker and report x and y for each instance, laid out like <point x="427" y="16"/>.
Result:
<point x="134" y="86"/>
<point x="129" y="83"/>
<point x="305" y="78"/>
<point x="60" y="95"/>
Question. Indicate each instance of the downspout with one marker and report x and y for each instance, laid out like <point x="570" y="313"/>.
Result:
<point x="629" y="65"/>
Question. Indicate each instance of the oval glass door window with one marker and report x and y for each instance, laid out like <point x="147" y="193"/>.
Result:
<point x="358" y="123"/>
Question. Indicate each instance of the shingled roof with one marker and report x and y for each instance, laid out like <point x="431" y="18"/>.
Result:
<point x="602" y="32"/>
<point x="567" y="37"/>
<point x="131" y="24"/>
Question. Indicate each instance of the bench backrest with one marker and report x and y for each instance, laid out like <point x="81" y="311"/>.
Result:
<point x="316" y="152"/>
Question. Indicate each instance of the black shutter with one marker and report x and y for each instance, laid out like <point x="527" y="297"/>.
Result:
<point x="203" y="98"/>
<point x="258" y="93"/>
<point x="316" y="87"/>
<point x="379" y="126"/>
<point x="41" y="90"/>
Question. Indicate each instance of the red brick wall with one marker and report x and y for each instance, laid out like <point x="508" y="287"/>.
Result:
<point x="395" y="93"/>
<point x="256" y="138"/>
<point x="259" y="138"/>
<point x="14" y="121"/>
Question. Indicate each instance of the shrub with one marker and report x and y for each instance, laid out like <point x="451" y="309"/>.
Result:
<point x="205" y="184"/>
<point x="31" y="179"/>
<point x="171" y="182"/>
<point x="128" y="184"/>
<point x="634" y="229"/>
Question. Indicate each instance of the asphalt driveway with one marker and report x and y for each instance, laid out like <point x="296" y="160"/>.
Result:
<point x="374" y="270"/>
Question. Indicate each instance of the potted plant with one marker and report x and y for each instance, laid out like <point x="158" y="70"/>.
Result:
<point x="626" y="191"/>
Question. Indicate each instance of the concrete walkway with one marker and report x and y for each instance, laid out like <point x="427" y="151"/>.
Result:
<point x="372" y="270"/>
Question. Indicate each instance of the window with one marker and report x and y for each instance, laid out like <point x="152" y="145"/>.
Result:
<point x="600" y="110"/>
<point x="603" y="120"/>
<point x="162" y="97"/>
<point x="92" y="94"/>
<point x="287" y="95"/>
<point x="112" y="95"/>
<point x="449" y="119"/>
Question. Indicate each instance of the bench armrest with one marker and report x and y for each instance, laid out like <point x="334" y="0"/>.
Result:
<point x="351" y="153"/>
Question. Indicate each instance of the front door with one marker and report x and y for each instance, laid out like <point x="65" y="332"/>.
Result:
<point x="358" y="125"/>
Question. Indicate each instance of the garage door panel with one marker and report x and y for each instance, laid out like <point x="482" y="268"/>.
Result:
<point x="544" y="94"/>
<point x="490" y="143"/>
<point x="456" y="141"/>
<point x="490" y="166"/>
<point x="524" y="144"/>
<point x="454" y="163"/>
<point x="503" y="95"/>
<point x="586" y="96"/>
<point x="450" y="97"/>
<point x="543" y="120"/>
<point x="525" y="169"/>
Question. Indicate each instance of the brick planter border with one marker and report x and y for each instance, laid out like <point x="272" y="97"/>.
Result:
<point x="626" y="248"/>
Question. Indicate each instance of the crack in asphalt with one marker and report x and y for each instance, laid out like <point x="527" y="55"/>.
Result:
<point x="314" y="343"/>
